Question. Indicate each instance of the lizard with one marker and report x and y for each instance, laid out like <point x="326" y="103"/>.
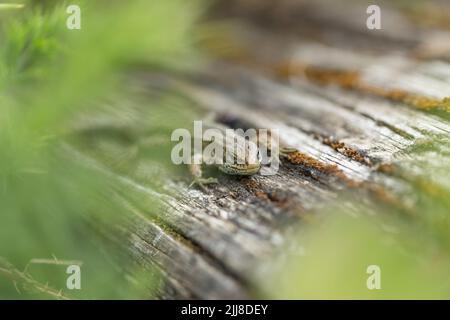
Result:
<point x="246" y="160"/>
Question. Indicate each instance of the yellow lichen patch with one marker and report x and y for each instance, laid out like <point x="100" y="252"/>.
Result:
<point x="323" y="76"/>
<point x="345" y="79"/>
<point x="414" y="100"/>
<point x="352" y="80"/>
<point x="347" y="151"/>
<point x="428" y="104"/>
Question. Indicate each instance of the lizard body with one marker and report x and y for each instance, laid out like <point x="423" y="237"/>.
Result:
<point x="245" y="158"/>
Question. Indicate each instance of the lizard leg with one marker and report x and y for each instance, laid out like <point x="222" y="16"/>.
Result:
<point x="283" y="153"/>
<point x="195" y="168"/>
<point x="269" y="144"/>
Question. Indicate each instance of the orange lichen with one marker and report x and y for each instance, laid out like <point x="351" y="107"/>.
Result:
<point x="349" y="152"/>
<point x="345" y="79"/>
<point x="330" y="169"/>
<point x="255" y="188"/>
<point x="308" y="161"/>
<point x="286" y="69"/>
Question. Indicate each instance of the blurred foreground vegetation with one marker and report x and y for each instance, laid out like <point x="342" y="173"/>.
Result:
<point x="48" y="76"/>
<point x="410" y="243"/>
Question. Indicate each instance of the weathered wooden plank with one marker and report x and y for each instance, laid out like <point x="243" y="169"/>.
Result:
<point x="240" y="222"/>
<point x="405" y="28"/>
<point x="337" y="102"/>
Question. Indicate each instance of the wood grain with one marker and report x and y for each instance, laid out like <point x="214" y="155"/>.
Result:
<point x="214" y="244"/>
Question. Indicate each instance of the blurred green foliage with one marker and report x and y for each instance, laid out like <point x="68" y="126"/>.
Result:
<point x="411" y="246"/>
<point x="49" y="75"/>
<point x="337" y="255"/>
